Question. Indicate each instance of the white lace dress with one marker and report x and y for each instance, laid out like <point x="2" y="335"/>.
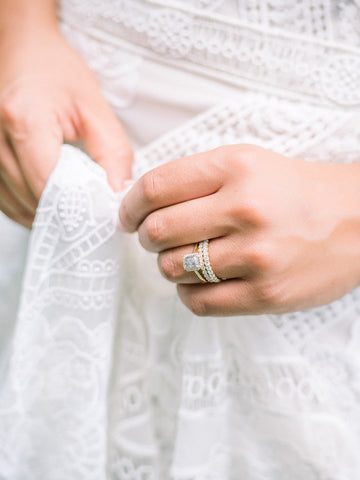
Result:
<point x="104" y="374"/>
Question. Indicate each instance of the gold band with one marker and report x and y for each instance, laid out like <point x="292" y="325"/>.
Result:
<point x="197" y="272"/>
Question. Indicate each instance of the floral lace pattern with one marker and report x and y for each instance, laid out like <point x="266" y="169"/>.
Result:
<point x="288" y="48"/>
<point x="104" y="373"/>
<point x="142" y="389"/>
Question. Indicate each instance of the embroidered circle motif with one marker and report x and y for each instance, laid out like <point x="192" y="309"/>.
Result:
<point x="341" y="79"/>
<point x="170" y="32"/>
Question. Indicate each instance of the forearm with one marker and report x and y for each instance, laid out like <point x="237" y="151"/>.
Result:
<point x="26" y="28"/>
<point x="21" y="16"/>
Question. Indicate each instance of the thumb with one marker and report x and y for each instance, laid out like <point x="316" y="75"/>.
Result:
<point x="106" y="141"/>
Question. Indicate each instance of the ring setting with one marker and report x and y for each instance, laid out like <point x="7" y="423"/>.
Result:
<point x="198" y="262"/>
<point x="192" y="262"/>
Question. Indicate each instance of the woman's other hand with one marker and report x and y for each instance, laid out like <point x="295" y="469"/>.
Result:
<point x="285" y="233"/>
<point x="48" y="95"/>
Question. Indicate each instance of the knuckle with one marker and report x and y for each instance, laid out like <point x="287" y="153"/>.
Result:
<point x="169" y="267"/>
<point x="261" y="257"/>
<point x="150" y="186"/>
<point x="12" y="109"/>
<point x="246" y="152"/>
<point x="249" y="212"/>
<point x="239" y="155"/>
<point x="271" y="295"/>
<point x="225" y="159"/>
<point x="155" y="229"/>
<point x="235" y="160"/>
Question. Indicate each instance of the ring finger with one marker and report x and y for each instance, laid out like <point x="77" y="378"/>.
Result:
<point x="226" y="257"/>
<point x="184" y="223"/>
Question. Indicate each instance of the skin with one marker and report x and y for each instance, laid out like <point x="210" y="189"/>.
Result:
<point x="47" y="96"/>
<point x="284" y="232"/>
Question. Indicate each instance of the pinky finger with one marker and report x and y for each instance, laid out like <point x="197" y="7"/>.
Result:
<point x="13" y="209"/>
<point x="228" y="298"/>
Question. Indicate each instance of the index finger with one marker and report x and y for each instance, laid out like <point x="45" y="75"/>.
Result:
<point x="36" y="142"/>
<point x="174" y="182"/>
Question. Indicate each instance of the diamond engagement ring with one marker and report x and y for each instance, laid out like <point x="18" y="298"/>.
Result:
<point x="193" y="262"/>
<point x="199" y="260"/>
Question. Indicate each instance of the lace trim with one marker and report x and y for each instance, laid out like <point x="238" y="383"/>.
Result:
<point x="268" y="59"/>
<point x="288" y="128"/>
<point x="187" y="397"/>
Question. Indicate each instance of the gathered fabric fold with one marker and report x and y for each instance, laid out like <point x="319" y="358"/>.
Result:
<point x="106" y="375"/>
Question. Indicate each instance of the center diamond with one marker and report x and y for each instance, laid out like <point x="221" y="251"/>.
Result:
<point x="192" y="262"/>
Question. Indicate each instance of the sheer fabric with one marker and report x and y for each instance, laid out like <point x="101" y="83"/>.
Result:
<point x="104" y="373"/>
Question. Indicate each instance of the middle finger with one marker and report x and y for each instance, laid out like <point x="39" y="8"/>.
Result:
<point x="184" y="223"/>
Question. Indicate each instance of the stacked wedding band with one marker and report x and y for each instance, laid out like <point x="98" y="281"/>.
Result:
<point x="206" y="269"/>
<point x="199" y="260"/>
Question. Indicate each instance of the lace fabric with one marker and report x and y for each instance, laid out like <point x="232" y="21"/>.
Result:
<point x="104" y="373"/>
<point x="307" y="49"/>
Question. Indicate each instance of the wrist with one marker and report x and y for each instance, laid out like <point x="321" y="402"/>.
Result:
<point x="29" y="54"/>
<point x="22" y="12"/>
<point x="21" y="19"/>
<point x="345" y="204"/>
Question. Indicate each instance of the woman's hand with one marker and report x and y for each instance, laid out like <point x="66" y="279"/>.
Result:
<point x="285" y="233"/>
<point x="48" y="95"/>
